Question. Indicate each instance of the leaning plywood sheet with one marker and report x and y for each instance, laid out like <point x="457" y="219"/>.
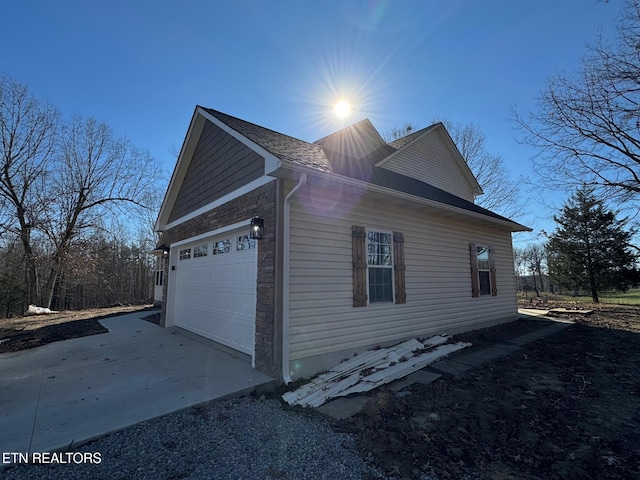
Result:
<point x="371" y="369"/>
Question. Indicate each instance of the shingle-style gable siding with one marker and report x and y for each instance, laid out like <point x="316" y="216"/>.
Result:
<point x="430" y="160"/>
<point x="220" y="165"/>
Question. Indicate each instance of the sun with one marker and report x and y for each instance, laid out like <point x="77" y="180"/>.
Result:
<point x="342" y="109"/>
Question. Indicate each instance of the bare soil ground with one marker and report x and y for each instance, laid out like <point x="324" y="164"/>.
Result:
<point x="564" y="407"/>
<point x="21" y="333"/>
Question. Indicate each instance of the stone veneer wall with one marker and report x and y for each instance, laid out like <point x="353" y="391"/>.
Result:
<point x="259" y="202"/>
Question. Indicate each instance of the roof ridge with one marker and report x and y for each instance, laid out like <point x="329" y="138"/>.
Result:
<point x="406" y="138"/>
<point x="347" y="127"/>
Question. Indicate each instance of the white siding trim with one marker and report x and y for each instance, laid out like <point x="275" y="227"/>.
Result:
<point x="180" y="170"/>
<point x="222" y="200"/>
<point x="218" y="231"/>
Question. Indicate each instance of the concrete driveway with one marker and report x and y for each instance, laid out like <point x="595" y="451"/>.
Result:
<point x="69" y="392"/>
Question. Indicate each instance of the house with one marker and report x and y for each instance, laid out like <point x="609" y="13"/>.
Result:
<point x="363" y="243"/>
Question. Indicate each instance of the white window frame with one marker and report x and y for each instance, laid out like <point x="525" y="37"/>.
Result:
<point x="185" y="254"/>
<point x="251" y="243"/>
<point x="200" y="251"/>
<point x="228" y="247"/>
<point x="485" y="248"/>
<point x="390" y="267"/>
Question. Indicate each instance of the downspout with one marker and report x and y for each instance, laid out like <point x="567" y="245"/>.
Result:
<point x="286" y="278"/>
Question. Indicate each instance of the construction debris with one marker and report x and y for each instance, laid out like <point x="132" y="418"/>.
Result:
<point x="34" y="310"/>
<point x="568" y="311"/>
<point x="371" y="369"/>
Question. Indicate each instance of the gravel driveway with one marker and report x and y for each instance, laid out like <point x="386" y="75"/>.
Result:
<point x="243" y="438"/>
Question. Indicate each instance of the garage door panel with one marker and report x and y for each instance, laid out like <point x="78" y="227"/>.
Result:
<point x="216" y="295"/>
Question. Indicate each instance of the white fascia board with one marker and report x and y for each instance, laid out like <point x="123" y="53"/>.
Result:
<point x="463" y="164"/>
<point x="332" y="177"/>
<point x="180" y="170"/>
<point x="222" y="200"/>
<point x="219" y="231"/>
<point x="271" y="162"/>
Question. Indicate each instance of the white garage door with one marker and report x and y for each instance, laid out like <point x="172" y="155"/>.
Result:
<point x="216" y="289"/>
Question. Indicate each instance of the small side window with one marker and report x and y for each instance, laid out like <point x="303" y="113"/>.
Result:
<point x="185" y="254"/>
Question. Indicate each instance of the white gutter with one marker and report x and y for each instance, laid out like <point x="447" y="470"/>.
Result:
<point x="286" y="281"/>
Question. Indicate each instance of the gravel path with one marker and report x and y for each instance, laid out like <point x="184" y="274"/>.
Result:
<point x="243" y="438"/>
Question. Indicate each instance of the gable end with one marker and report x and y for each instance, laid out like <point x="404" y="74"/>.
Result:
<point x="220" y="165"/>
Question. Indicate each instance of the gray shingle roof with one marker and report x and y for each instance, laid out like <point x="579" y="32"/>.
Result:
<point x="284" y="147"/>
<point x="299" y="152"/>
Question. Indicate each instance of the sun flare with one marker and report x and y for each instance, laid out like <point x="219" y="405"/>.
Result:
<point x="342" y="108"/>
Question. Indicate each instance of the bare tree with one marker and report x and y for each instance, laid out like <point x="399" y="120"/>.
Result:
<point x="57" y="185"/>
<point x="28" y="132"/>
<point x="519" y="268"/>
<point x="587" y="126"/>
<point x="501" y="193"/>
<point x="534" y="257"/>
<point x="96" y="173"/>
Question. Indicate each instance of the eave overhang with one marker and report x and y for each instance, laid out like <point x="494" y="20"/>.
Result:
<point x="347" y="184"/>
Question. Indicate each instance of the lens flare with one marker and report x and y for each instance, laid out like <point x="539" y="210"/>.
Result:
<point x="342" y="109"/>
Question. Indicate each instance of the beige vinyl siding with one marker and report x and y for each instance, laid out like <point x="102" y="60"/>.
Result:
<point x="438" y="279"/>
<point x="431" y="161"/>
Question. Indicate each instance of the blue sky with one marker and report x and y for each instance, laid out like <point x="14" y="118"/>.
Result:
<point x="142" y="66"/>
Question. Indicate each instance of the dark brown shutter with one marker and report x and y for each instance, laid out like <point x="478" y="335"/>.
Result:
<point x="492" y="269"/>
<point x="475" y="280"/>
<point x="398" y="267"/>
<point x="359" y="248"/>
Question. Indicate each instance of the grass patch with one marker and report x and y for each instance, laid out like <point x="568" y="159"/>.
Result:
<point x="631" y="297"/>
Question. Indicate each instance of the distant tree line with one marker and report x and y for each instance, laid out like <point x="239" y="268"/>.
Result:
<point x="76" y="203"/>
<point x="99" y="272"/>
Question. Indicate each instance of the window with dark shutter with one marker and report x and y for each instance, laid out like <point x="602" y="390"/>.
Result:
<point x="398" y="267"/>
<point x="483" y="270"/>
<point x="380" y="266"/>
<point x="359" y="255"/>
<point x="475" y="280"/>
<point x="492" y="272"/>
